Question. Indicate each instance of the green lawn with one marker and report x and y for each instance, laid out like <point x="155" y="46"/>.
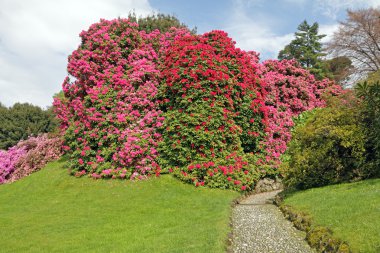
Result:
<point x="51" y="211"/>
<point x="351" y="211"/>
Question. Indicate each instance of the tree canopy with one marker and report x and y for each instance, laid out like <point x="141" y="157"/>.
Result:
<point x="21" y="121"/>
<point x="341" y="68"/>
<point x="306" y="48"/>
<point x="160" y="21"/>
<point x="358" y="38"/>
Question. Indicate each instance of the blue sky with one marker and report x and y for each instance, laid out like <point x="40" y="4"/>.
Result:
<point x="36" y="36"/>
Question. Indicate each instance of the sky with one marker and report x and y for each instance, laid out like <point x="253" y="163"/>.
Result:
<point x="37" y="36"/>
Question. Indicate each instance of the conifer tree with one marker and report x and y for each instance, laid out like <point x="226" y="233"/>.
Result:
<point x="306" y="48"/>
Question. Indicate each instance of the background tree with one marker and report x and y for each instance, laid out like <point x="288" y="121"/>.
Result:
<point x="341" y="68"/>
<point x="162" y="22"/>
<point x="358" y="38"/>
<point x="23" y="120"/>
<point x="306" y="48"/>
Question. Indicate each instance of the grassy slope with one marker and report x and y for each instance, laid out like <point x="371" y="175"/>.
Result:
<point x="352" y="211"/>
<point x="53" y="212"/>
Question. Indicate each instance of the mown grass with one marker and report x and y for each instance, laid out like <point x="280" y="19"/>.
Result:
<point x="351" y="211"/>
<point x="51" y="211"/>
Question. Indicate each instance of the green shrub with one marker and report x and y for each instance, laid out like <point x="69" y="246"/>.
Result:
<point x="370" y="113"/>
<point x="329" y="147"/>
<point x="23" y="120"/>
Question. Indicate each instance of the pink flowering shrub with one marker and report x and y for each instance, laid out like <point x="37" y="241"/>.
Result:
<point x="8" y="161"/>
<point x="28" y="156"/>
<point x="290" y="91"/>
<point x="40" y="151"/>
<point x="108" y="113"/>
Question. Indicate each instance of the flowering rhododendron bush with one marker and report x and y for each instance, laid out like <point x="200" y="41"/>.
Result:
<point x="214" y="112"/>
<point x="8" y="161"/>
<point x="39" y="151"/>
<point x="28" y="156"/>
<point x="290" y="91"/>
<point x="194" y="105"/>
<point x="108" y="111"/>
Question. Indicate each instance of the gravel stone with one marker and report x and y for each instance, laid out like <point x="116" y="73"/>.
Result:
<point x="260" y="227"/>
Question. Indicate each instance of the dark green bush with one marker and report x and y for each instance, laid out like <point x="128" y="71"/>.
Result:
<point x="23" y="120"/>
<point x="370" y="113"/>
<point x="329" y="147"/>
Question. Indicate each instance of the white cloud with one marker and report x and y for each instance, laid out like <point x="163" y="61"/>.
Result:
<point x="330" y="8"/>
<point x="255" y="35"/>
<point x="36" y="36"/>
<point x="328" y="30"/>
<point x="251" y="36"/>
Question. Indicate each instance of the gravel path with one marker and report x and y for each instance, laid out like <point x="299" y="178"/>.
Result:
<point x="260" y="227"/>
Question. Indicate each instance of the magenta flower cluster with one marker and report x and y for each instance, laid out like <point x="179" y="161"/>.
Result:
<point x="8" y="161"/>
<point x="290" y="91"/>
<point x="109" y="113"/>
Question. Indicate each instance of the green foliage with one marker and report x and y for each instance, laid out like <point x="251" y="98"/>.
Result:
<point x="370" y="111"/>
<point x="302" y="118"/>
<point x="50" y="211"/>
<point x="299" y="121"/>
<point x="160" y="21"/>
<point x="328" y="148"/>
<point x="23" y="120"/>
<point x="373" y="77"/>
<point x="306" y="48"/>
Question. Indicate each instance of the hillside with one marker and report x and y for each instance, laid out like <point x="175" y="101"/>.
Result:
<point x="350" y="210"/>
<point x="51" y="211"/>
